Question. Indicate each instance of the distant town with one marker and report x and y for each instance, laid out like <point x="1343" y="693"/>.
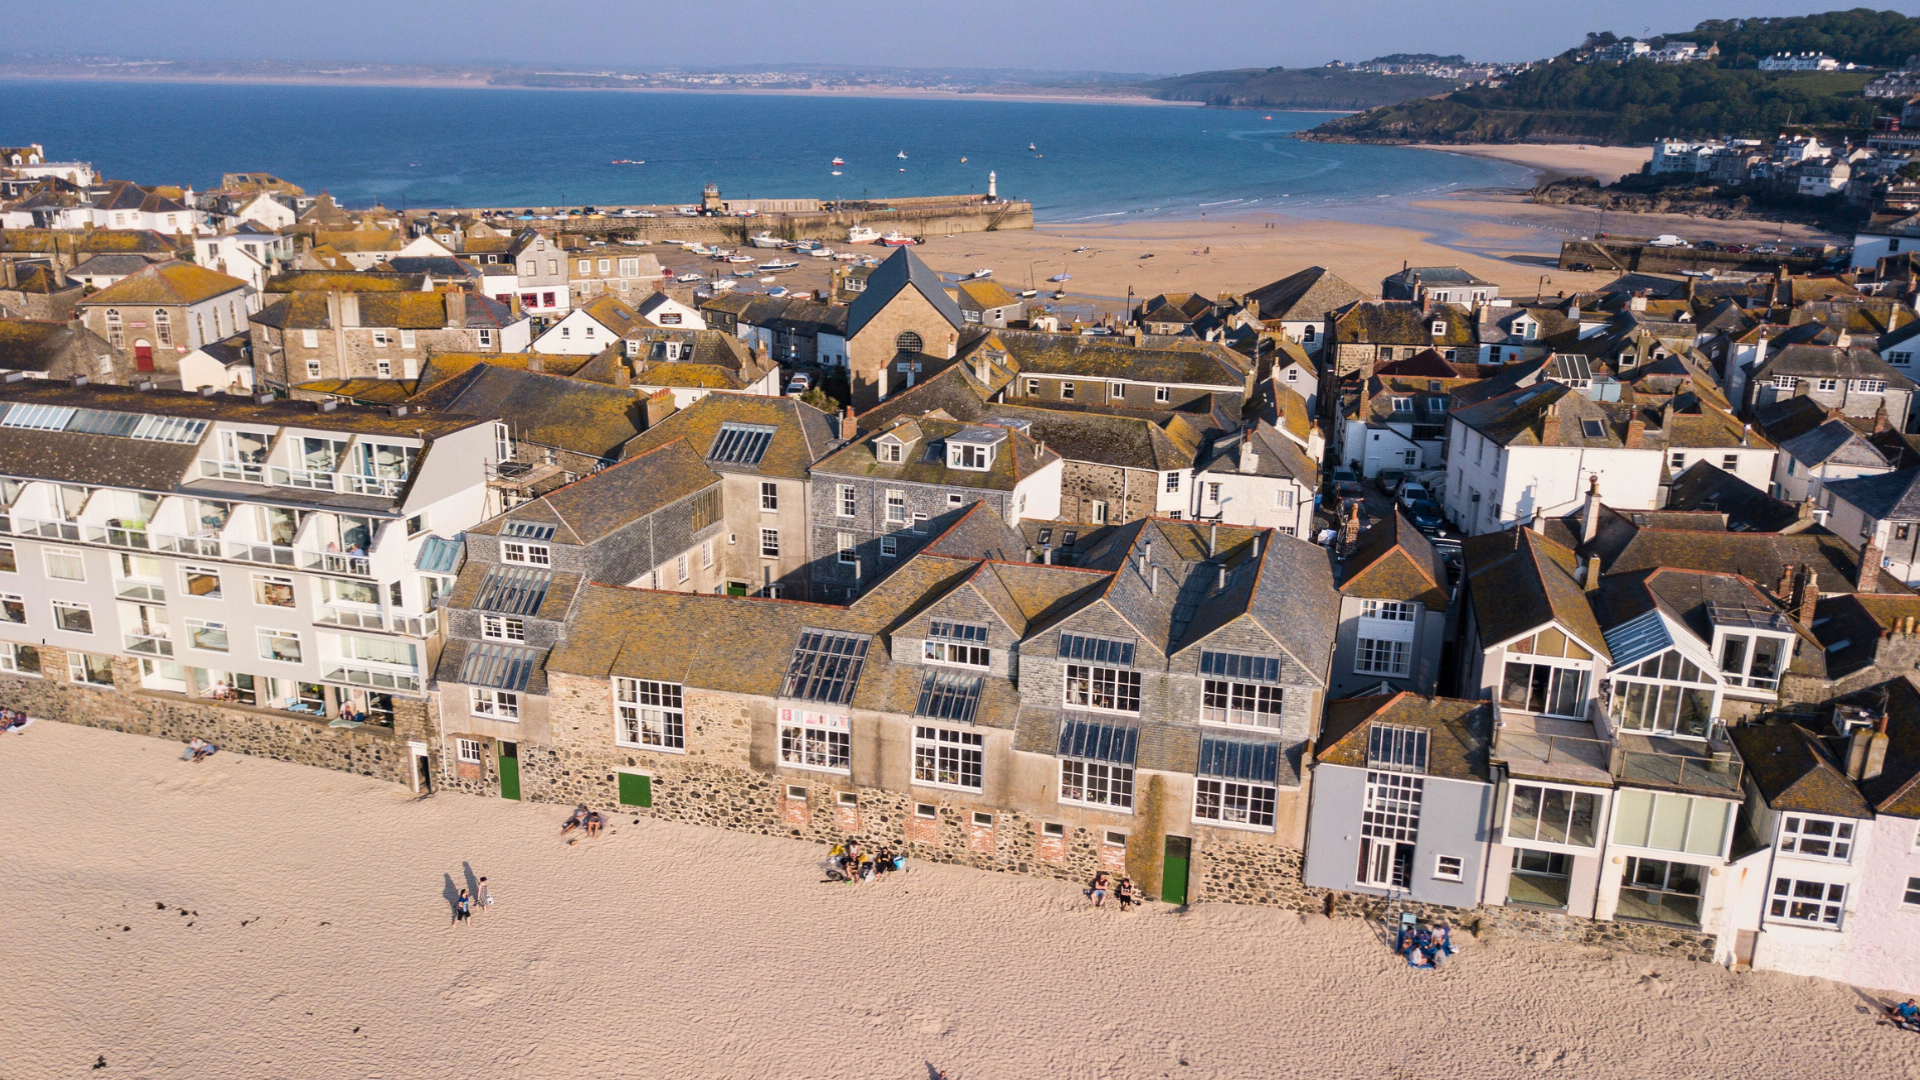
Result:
<point x="1586" y="616"/>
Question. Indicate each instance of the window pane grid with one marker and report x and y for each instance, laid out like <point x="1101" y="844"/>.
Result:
<point x="825" y="666"/>
<point x="650" y="714"/>
<point x="947" y="757"/>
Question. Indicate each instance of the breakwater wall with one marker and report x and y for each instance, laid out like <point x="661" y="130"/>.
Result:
<point x="1624" y="255"/>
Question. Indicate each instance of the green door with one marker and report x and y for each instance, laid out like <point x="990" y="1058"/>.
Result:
<point x="509" y="770"/>
<point x="636" y="790"/>
<point x="1173" y="878"/>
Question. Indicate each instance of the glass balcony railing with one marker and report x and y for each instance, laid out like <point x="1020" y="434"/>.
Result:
<point x="1714" y="771"/>
<point x="205" y="547"/>
<point x="47" y="530"/>
<point x="255" y="552"/>
<point x="386" y="622"/>
<point x="1548" y="756"/>
<point x="337" y="562"/>
<point x="244" y="472"/>
<point x="120" y="536"/>
<point x="370" y="676"/>
<point x="385" y="487"/>
<point x="147" y="644"/>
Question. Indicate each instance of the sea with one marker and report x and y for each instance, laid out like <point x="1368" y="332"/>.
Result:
<point x="431" y="147"/>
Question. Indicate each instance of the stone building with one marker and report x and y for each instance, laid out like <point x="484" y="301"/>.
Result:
<point x="1394" y="611"/>
<point x="764" y="448"/>
<point x="353" y="333"/>
<point x="58" y="350"/>
<point x="1368" y="333"/>
<point x="154" y="317"/>
<point x="1107" y="373"/>
<point x="873" y="500"/>
<point x="1144" y="716"/>
<point x="652" y="521"/>
<point x="620" y="272"/>
<point x="33" y="290"/>
<point x="901" y="329"/>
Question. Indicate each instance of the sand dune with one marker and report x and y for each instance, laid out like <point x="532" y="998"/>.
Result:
<point x="1604" y="163"/>
<point x="250" y="919"/>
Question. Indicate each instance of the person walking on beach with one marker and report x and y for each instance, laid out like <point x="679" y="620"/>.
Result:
<point x="483" y="899"/>
<point x="462" y="908"/>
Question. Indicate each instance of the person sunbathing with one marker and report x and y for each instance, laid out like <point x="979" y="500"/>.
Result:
<point x="594" y="822"/>
<point x="578" y="820"/>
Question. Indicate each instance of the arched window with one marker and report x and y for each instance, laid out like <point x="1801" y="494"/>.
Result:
<point x="908" y="341"/>
<point x="113" y="317"/>
<point x="162" y="326"/>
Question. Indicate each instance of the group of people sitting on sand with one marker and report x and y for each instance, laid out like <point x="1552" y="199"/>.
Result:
<point x="588" y="821"/>
<point x="854" y="863"/>
<point x="198" y="750"/>
<point x="1126" y="892"/>
<point x="12" y="720"/>
<point x="1424" y="947"/>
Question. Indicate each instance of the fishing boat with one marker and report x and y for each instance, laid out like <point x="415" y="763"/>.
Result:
<point x="847" y="256"/>
<point x="778" y="265"/>
<point x="688" y="279"/>
<point x="963" y="161"/>
<point x="860" y="234"/>
<point x="764" y="239"/>
<point x="722" y="284"/>
<point x="1030" y="146"/>
<point x="777" y="291"/>
<point x="902" y="155"/>
<point x="822" y="253"/>
<point x="739" y="258"/>
<point x="839" y="161"/>
<point x="768" y="280"/>
<point x="1028" y="294"/>
<point x="893" y="238"/>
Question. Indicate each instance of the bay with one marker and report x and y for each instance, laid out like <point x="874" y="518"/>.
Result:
<point x="421" y="146"/>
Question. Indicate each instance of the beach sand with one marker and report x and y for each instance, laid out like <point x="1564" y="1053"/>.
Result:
<point x="244" y="919"/>
<point x="1604" y="163"/>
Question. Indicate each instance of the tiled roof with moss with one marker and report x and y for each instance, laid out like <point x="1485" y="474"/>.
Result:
<point x="1014" y="459"/>
<point x="363" y="391"/>
<point x="984" y="294"/>
<point x="1393" y="561"/>
<point x="361" y="240"/>
<point x="166" y="283"/>
<point x="802" y="434"/>
<point x="1306" y="296"/>
<point x="354" y="281"/>
<point x="597" y="505"/>
<point x="1182" y="362"/>
<point x="1794" y="773"/>
<point x="546" y="410"/>
<point x="1459" y="732"/>
<point x="1520" y="581"/>
<point x="1403" y="322"/>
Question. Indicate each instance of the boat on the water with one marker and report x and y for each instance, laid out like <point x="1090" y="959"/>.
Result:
<point x="902" y="155"/>
<point x="722" y="284"/>
<point x="764" y="239"/>
<point x="860" y="234"/>
<point x="893" y="238"/>
<point x="1030" y="146"/>
<point x="836" y="172"/>
<point x="847" y="256"/>
<point x="839" y="161"/>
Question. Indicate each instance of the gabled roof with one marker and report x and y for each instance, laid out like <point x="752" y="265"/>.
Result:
<point x="1121" y="441"/>
<point x="172" y="282"/>
<point x="1275" y="455"/>
<point x="1014" y="459"/>
<point x="978" y="294"/>
<point x="1179" y="361"/>
<point x="1545" y="414"/>
<point x="1520" y="581"/>
<point x="898" y="272"/>
<point x="1793" y="772"/>
<point x="1459" y="732"/>
<point x="1834" y="443"/>
<point x="1830" y="361"/>
<point x="1403" y="322"/>
<point x="1306" y="296"/>
<point x="546" y="410"/>
<point x="801" y="433"/>
<point x="1889" y="496"/>
<point x="1896" y="791"/>
<point x="1756" y="556"/>
<point x="615" y="497"/>
<point x="1393" y="561"/>
<point x="1705" y="486"/>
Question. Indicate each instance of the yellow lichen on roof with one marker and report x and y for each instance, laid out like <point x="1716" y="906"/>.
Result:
<point x="687" y="375"/>
<point x="167" y="283"/>
<point x="360" y="239"/>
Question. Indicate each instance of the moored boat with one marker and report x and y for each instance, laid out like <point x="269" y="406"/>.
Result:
<point x="860" y="234"/>
<point x="894" y="238"/>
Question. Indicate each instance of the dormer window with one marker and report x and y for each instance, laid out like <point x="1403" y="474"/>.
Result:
<point x="969" y="456"/>
<point x="1439" y="328"/>
<point x="889" y="452"/>
<point x="1403" y="404"/>
<point x="1528" y="330"/>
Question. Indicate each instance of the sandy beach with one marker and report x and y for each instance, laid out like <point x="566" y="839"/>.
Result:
<point x="1604" y="163"/>
<point x="245" y="919"/>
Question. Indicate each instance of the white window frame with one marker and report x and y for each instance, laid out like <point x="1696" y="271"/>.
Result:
<point x="496" y="704"/>
<point x="293" y="592"/>
<point x="1112" y="779"/>
<point x="77" y="668"/>
<point x="846" y="502"/>
<point x="193" y="642"/>
<point x="49" y="554"/>
<point x="10" y="660"/>
<point x="815" y="741"/>
<point x="13" y="601"/>
<point x="1235" y="804"/>
<point x="470" y="751"/>
<point x="1787" y="899"/>
<point x="10" y="564"/>
<point x="769" y="543"/>
<point x="1443" y="872"/>
<point x="1238" y="703"/>
<point x="1392" y="657"/>
<point x="1096" y="681"/>
<point x="1795" y="841"/>
<point x="263" y="634"/>
<point x="940" y="751"/>
<point x="503" y="628"/>
<point x="1162" y="394"/>
<point x="69" y="605"/>
<point x="1535" y="842"/>
<point x="525" y="554"/>
<point x="896" y="506"/>
<point x="769" y="496"/>
<point x="650" y="715"/>
<point x="846" y="548"/>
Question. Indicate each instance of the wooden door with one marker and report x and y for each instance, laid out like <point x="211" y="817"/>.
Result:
<point x="509" y="770"/>
<point x="142" y="356"/>
<point x="636" y="790"/>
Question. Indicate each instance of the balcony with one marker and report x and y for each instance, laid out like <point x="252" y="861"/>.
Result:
<point x="206" y="546"/>
<point x="120" y="536"/>
<point x="147" y="644"/>
<point x="240" y="471"/>
<point x="144" y="592"/>
<point x="337" y="562"/>
<point x="385" y="487"/>
<point x="370" y="676"/>
<point x="47" y="530"/>
<point x="255" y="552"/>
<point x="1706" y="768"/>
<point x="301" y="478"/>
<point x="1536" y="755"/>
<point x="384" y="622"/>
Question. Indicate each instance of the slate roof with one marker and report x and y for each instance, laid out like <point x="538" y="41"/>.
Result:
<point x="1834" y="443"/>
<point x="1791" y="768"/>
<point x="899" y="271"/>
<point x="1181" y="361"/>
<point x="802" y="434"/>
<point x="1403" y="322"/>
<point x="1887" y="496"/>
<point x="547" y="410"/>
<point x="1528" y="417"/>
<point x="1306" y="296"/>
<point x="1705" y="486"/>
<point x="1393" y="561"/>
<point x="111" y="266"/>
<point x="1828" y="361"/>
<point x="1013" y="460"/>
<point x="1275" y="455"/>
<point x="1120" y="441"/>
<point x="1520" y="581"/>
<point x="615" y="497"/>
<point x="171" y="282"/>
<point x="1756" y="556"/>
<point x="34" y="345"/>
<point x="1459" y="732"/>
<point x="354" y="281"/>
<point x="1896" y="791"/>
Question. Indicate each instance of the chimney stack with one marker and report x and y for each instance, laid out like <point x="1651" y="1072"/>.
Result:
<point x="1153" y="580"/>
<point x="1590" y="514"/>
<point x="622" y="375"/>
<point x="1809" y="594"/>
<point x="536" y="363"/>
<point x="1876" y="758"/>
<point x="847" y="425"/>
<point x="1869" y="568"/>
<point x="1223" y="579"/>
<point x="1213" y="540"/>
<point x="1636" y="433"/>
<point x="1350" y="530"/>
<point x="1593" y="573"/>
<point x="1249" y="454"/>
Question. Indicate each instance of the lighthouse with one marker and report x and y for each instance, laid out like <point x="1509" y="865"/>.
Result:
<point x="992" y="182"/>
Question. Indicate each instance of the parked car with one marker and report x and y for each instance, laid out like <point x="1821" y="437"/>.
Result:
<point x="1427" y="516"/>
<point x="1580" y="268"/>
<point x="1707" y="245"/>
<point x="800" y="383"/>
<point x="1414" y="491"/>
<point x="1452" y="555"/>
<point x="1390" y="479"/>
<point x="1666" y="240"/>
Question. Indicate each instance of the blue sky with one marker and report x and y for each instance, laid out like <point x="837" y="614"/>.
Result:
<point x="1108" y="35"/>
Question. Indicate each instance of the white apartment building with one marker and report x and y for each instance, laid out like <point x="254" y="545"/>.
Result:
<point x="259" y="553"/>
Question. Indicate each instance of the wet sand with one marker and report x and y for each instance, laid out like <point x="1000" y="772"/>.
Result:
<point x="1604" y="163"/>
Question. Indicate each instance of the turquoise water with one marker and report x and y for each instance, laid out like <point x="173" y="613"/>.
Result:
<point x="432" y="147"/>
